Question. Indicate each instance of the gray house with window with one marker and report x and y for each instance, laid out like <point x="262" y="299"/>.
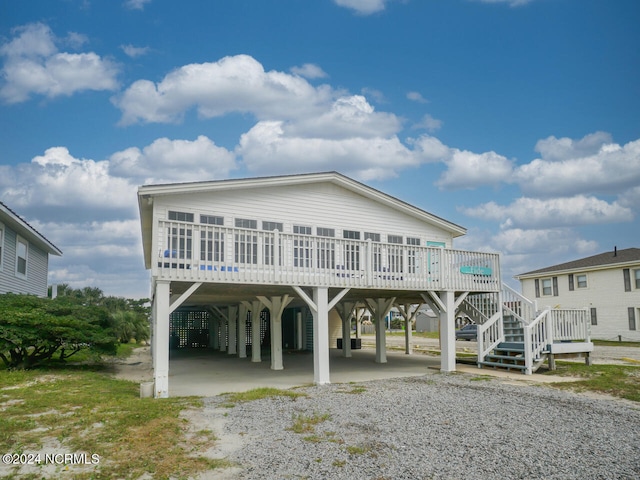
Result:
<point x="24" y="255"/>
<point x="607" y="284"/>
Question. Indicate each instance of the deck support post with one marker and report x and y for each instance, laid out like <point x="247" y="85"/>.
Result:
<point x="408" y="316"/>
<point x="345" y="310"/>
<point x="242" y="331"/>
<point x="321" y="336"/>
<point x="320" y="305"/>
<point x="161" y="338"/>
<point x="276" y="306"/>
<point x="447" y="332"/>
<point x="256" y="309"/>
<point x="214" y="333"/>
<point x="233" y="329"/>
<point x="380" y="307"/>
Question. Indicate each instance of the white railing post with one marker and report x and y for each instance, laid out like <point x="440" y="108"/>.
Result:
<point x="369" y="262"/>
<point x="276" y="256"/>
<point x="528" y="349"/>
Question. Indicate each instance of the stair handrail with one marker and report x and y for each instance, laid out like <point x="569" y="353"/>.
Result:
<point x="491" y="334"/>
<point x="537" y="335"/>
<point x="469" y="307"/>
<point x="517" y="305"/>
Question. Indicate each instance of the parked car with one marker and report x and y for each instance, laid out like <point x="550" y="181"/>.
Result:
<point x="468" y="332"/>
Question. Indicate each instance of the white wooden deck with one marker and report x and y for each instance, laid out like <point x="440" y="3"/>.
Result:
<point x="216" y="254"/>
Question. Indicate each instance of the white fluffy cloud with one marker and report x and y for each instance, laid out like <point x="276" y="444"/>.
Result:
<point x="511" y="3"/>
<point x="167" y="161"/>
<point x="232" y="84"/>
<point x="363" y="7"/>
<point x="593" y="164"/>
<point x="309" y="70"/>
<point x="266" y="149"/>
<point x="533" y="213"/>
<point x="470" y="170"/>
<point x="33" y="65"/>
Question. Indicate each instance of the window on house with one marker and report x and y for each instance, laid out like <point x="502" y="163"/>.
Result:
<point x="594" y="316"/>
<point x="211" y="246"/>
<point x="180" y="216"/>
<point x="246" y="223"/>
<point x="582" y="281"/>
<point x="626" y="275"/>
<point x="394" y="239"/>
<point x="412" y="254"/>
<point x="636" y="276"/>
<point x="373" y="236"/>
<point x="325" y="232"/>
<point x="632" y="318"/>
<point x="180" y="243"/>
<point x="394" y="253"/>
<point x="546" y="287"/>
<point x="301" y="247"/>
<point x="301" y="230"/>
<point x="351" y="234"/>
<point x="211" y="220"/>
<point x="271" y="226"/>
<point x="246" y="247"/>
<point x="22" y="250"/>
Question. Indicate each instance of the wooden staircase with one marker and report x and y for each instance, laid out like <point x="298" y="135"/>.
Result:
<point x="514" y="335"/>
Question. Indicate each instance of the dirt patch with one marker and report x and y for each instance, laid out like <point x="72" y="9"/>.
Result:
<point x="137" y="367"/>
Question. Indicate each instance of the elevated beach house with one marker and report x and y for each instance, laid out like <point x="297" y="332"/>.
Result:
<point x="287" y="262"/>
<point x="24" y="255"/>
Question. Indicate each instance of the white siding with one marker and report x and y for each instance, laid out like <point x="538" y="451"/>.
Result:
<point x="317" y="205"/>
<point x="604" y="292"/>
<point x="35" y="282"/>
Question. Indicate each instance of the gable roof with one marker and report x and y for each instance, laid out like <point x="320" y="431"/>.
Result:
<point x="147" y="192"/>
<point x="615" y="258"/>
<point x="20" y="226"/>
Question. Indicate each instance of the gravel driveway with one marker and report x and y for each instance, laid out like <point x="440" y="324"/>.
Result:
<point x="437" y="426"/>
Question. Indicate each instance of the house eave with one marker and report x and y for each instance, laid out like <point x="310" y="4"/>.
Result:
<point x="567" y="271"/>
<point x="20" y="226"/>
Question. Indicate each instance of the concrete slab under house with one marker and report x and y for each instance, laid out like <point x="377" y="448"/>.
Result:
<point x="254" y="267"/>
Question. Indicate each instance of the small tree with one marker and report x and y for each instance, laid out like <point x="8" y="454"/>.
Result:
<point x="33" y="329"/>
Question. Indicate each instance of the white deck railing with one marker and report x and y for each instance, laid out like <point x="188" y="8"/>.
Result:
<point x="554" y="326"/>
<point x="210" y="253"/>
<point x="520" y="307"/>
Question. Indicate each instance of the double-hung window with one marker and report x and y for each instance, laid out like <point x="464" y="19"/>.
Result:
<point x="351" y="250"/>
<point x="326" y="248"/>
<point x="301" y="246"/>
<point x="22" y="252"/>
<point x="377" y="250"/>
<point x="246" y="243"/>
<point x="636" y="276"/>
<point x="394" y="253"/>
<point x="269" y="243"/>
<point x="412" y="254"/>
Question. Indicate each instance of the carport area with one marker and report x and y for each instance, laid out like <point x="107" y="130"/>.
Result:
<point x="207" y="372"/>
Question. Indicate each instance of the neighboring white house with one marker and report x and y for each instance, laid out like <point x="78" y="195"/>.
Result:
<point x="608" y="284"/>
<point x="24" y="255"/>
<point x="309" y="249"/>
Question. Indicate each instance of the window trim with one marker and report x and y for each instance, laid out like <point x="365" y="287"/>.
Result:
<point x="586" y="281"/>
<point x="20" y="240"/>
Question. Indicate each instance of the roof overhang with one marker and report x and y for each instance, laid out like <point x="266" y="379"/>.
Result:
<point x="22" y="228"/>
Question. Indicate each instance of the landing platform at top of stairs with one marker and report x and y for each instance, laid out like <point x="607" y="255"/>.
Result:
<point x="577" y="347"/>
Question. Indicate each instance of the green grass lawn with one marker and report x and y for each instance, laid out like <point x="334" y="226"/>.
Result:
<point x="616" y="380"/>
<point x="85" y="410"/>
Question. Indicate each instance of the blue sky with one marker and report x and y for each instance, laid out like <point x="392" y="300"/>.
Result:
<point x="517" y="119"/>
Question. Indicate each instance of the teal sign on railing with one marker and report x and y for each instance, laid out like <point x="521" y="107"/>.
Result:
<point x="473" y="270"/>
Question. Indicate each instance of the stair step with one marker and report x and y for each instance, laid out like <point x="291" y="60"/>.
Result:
<point x="511" y="346"/>
<point x="492" y="356"/>
<point x="513" y="366"/>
